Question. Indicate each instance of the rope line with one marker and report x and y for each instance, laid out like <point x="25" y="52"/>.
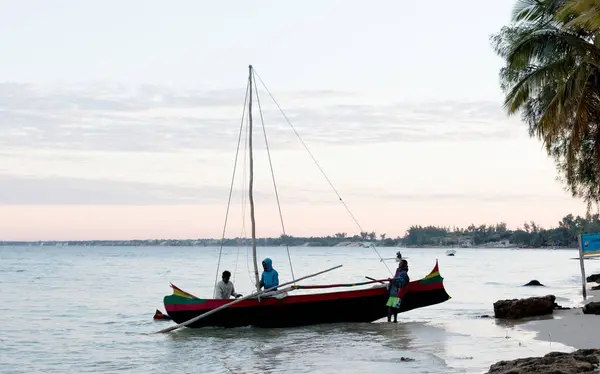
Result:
<point x="245" y="234"/>
<point x="273" y="178"/>
<point x="318" y="165"/>
<point x="243" y="230"/>
<point x="231" y="188"/>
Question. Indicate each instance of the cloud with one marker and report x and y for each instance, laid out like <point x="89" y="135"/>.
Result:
<point x="324" y="196"/>
<point x="78" y="191"/>
<point x="164" y="119"/>
<point x="74" y="191"/>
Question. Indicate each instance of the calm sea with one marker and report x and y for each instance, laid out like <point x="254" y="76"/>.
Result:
<point x="89" y="309"/>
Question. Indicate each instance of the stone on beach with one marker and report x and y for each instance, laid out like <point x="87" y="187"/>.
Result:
<point x="593" y="278"/>
<point x="591" y="308"/>
<point x="521" y="308"/>
<point x="580" y="361"/>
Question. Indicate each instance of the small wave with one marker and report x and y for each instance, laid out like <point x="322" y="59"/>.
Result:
<point x="562" y="298"/>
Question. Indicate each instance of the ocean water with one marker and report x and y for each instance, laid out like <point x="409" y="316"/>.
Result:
<point x="89" y="309"/>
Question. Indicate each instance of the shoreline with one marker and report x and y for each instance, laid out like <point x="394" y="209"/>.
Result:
<point x="569" y="327"/>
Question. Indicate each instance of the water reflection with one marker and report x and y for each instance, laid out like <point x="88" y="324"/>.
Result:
<point x="357" y="347"/>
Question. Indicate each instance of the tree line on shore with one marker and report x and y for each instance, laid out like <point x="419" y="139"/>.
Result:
<point x="529" y="234"/>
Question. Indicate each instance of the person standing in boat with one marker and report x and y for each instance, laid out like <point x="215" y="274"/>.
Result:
<point x="397" y="288"/>
<point x="225" y="287"/>
<point x="269" y="277"/>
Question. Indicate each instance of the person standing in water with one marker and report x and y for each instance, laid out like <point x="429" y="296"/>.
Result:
<point x="397" y="288"/>
<point x="269" y="277"/>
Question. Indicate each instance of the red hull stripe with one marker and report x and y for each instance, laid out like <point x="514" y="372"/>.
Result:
<point x="212" y="303"/>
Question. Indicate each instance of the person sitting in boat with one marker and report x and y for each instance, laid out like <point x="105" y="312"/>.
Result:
<point x="225" y="287"/>
<point x="270" y="277"/>
<point x="397" y="288"/>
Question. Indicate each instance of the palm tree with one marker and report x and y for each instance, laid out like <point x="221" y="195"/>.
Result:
<point x="581" y="13"/>
<point x="552" y="77"/>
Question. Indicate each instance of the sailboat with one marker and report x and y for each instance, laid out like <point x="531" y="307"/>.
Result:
<point x="277" y="308"/>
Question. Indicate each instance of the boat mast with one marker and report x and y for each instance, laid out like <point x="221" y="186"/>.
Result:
<point x="250" y="188"/>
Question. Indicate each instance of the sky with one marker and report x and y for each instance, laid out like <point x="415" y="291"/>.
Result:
<point x="120" y="120"/>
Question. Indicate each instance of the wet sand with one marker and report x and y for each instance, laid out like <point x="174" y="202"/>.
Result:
<point x="570" y="327"/>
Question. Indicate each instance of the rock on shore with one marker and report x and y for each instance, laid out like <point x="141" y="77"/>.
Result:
<point x="580" y="361"/>
<point x="520" y="308"/>
<point x="593" y="278"/>
<point x="591" y="308"/>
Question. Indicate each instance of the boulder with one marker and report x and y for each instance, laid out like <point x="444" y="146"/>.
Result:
<point x="534" y="282"/>
<point x="520" y="308"/>
<point x="593" y="278"/>
<point x="591" y="308"/>
<point x="580" y="361"/>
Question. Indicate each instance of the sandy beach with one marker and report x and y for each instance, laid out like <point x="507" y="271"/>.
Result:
<point x="570" y="327"/>
<point x="576" y="334"/>
<point x="572" y="338"/>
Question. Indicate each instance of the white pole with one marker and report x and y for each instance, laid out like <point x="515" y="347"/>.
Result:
<point x="582" y="266"/>
<point x="241" y="299"/>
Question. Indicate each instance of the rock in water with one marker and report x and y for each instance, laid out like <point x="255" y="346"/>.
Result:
<point x="534" y="282"/>
<point x="591" y="308"/>
<point x="580" y="361"/>
<point x="593" y="278"/>
<point x="520" y="308"/>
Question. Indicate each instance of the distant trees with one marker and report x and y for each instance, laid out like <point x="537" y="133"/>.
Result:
<point x="530" y="235"/>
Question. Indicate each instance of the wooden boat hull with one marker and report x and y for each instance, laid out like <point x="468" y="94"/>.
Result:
<point x="365" y="305"/>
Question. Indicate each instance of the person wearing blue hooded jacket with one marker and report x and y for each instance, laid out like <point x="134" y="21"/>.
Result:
<point x="270" y="277"/>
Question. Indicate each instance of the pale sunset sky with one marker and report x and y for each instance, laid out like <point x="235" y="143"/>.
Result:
<point x="119" y="119"/>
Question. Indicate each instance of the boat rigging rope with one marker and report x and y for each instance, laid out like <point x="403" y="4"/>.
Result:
<point x="318" y="166"/>
<point x="231" y="186"/>
<point x="245" y="204"/>
<point x="243" y="232"/>
<point x="284" y="236"/>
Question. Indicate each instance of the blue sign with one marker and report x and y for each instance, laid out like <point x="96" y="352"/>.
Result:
<point x="590" y="244"/>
